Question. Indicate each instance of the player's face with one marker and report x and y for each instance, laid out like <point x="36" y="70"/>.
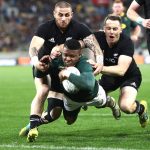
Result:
<point x="63" y="17"/>
<point x="112" y="31"/>
<point x="118" y="8"/>
<point x="70" y="57"/>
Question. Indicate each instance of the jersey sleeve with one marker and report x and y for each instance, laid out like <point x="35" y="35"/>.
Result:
<point x="42" y="31"/>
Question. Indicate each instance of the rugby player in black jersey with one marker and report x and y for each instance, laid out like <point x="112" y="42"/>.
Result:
<point x="51" y="35"/>
<point x="89" y="91"/>
<point x="120" y="69"/>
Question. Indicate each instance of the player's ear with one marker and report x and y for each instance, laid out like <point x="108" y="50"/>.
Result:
<point x="71" y="14"/>
<point x="104" y="29"/>
<point x="54" y="13"/>
<point x="81" y="52"/>
<point x="121" y="30"/>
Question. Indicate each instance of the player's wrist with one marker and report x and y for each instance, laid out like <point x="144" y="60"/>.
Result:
<point x="139" y="20"/>
<point x="34" y="60"/>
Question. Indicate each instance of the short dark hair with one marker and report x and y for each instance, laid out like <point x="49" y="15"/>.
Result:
<point x="72" y="44"/>
<point x="118" y="1"/>
<point x="112" y="17"/>
<point x="63" y="4"/>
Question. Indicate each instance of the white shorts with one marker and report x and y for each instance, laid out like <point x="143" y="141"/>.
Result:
<point x="98" y="101"/>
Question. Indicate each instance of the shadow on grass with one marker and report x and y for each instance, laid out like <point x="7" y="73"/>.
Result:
<point x="97" y="138"/>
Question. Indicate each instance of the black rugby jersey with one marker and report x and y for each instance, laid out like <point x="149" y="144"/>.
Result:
<point x="146" y="4"/>
<point x="123" y="47"/>
<point x="53" y="36"/>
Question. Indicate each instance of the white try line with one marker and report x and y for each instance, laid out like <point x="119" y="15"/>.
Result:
<point x="58" y="147"/>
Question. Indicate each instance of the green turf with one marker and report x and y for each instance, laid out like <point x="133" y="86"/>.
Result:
<point x="95" y="128"/>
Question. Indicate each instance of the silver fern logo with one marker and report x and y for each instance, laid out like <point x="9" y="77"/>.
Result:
<point x="52" y="40"/>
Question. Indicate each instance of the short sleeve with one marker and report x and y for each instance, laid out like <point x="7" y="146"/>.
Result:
<point x="42" y="31"/>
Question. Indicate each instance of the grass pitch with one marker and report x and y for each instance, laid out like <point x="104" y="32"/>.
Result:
<point x="95" y="129"/>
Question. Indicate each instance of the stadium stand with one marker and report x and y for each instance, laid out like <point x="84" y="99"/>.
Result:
<point x="19" y="19"/>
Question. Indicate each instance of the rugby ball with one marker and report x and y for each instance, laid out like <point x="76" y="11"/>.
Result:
<point x="68" y="86"/>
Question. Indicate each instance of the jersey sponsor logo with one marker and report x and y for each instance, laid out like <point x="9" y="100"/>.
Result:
<point x="52" y="40"/>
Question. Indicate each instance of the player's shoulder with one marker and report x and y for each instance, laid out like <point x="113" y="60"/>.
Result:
<point x="83" y="63"/>
<point x="47" y="27"/>
<point x="125" y="42"/>
<point x="47" y="24"/>
<point x="125" y="38"/>
<point x="99" y="33"/>
<point x="78" y="24"/>
<point x="83" y="59"/>
<point x="100" y="36"/>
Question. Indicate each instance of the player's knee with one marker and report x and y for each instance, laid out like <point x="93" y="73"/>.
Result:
<point x="42" y="92"/>
<point x="50" y="116"/>
<point x="54" y="108"/>
<point x="126" y="108"/>
<point x="55" y="113"/>
<point x="70" y="120"/>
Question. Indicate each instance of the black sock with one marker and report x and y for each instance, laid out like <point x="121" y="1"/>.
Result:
<point x="48" y="118"/>
<point x="34" y="121"/>
<point x="45" y="119"/>
<point x="52" y="103"/>
<point x="139" y="108"/>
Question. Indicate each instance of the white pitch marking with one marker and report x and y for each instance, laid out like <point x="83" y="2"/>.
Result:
<point x="58" y="147"/>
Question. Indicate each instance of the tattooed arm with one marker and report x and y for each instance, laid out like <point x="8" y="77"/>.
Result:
<point x="93" y="45"/>
<point x="35" y="46"/>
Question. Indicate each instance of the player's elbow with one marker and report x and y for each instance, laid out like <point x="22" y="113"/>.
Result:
<point x="121" y="73"/>
<point x="88" y="87"/>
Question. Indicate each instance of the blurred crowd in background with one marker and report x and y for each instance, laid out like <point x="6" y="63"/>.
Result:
<point x="19" y="19"/>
